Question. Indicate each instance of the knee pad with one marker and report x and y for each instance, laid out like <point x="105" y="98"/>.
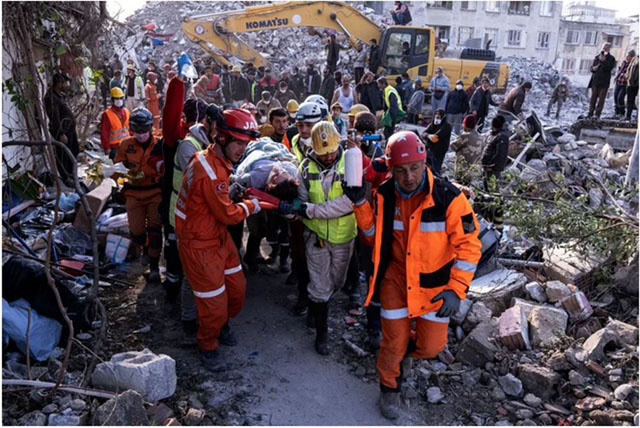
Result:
<point x="155" y="237"/>
<point x="139" y="239"/>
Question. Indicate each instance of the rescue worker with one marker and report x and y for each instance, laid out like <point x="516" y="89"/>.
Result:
<point x="203" y="211"/>
<point x="134" y="89"/>
<point x="355" y="109"/>
<point x="278" y="120"/>
<point x="114" y="123"/>
<point x="468" y="148"/>
<point x="392" y="105"/>
<point x="330" y="226"/>
<point x="142" y="191"/>
<point x="425" y="250"/>
<point x="559" y="95"/>
<point x="511" y="106"/>
<point x="153" y="99"/>
<point x="292" y="109"/>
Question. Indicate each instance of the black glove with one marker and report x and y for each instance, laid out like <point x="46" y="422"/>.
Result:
<point x="355" y="194"/>
<point x="286" y="208"/>
<point x="379" y="165"/>
<point x="450" y="303"/>
<point x="236" y="191"/>
<point x="302" y="211"/>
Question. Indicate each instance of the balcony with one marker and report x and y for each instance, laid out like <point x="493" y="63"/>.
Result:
<point x="519" y="8"/>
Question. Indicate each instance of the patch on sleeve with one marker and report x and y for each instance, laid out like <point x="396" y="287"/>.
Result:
<point x="222" y="187"/>
<point x="468" y="226"/>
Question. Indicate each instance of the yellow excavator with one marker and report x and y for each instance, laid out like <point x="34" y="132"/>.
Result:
<point x="216" y="33"/>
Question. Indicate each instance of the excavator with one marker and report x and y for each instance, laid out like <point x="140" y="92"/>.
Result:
<point x="216" y="33"/>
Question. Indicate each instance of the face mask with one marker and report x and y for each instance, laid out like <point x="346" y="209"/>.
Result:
<point x="459" y="87"/>
<point x="142" y="137"/>
<point x="284" y="91"/>
<point x="118" y="103"/>
<point x="437" y="121"/>
<point x="306" y="141"/>
<point x="263" y="119"/>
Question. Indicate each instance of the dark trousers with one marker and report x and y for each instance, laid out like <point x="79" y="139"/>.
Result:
<point x="598" y="95"/>
<point x="551" y="103"/>
<point x="298" y="257"/>
<point x="412" y="118"/>
<point x="171" y="255"/>
<point x="359" y="72"/>
<point x="632" y="92"/>
<point x="618" y="98"/>
<point x="388" y="132"/>
<point x="480" y="123"/>
<point x="236" y="234"/>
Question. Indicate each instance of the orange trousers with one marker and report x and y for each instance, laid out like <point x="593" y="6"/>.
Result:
<point x="215" y="275"/>
<point x="430" y="336"/>
<point x="145" y="223"/>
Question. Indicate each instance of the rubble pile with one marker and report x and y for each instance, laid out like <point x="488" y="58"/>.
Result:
<point x="278" y="47"/>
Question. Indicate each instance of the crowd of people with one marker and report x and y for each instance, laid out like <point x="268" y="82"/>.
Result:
<point x="239" y="144"/>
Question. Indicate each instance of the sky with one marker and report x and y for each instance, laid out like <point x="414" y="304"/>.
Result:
<point x="623" y="7"/>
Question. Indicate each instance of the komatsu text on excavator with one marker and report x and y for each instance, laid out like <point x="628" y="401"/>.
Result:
<point x="216" y="33"/>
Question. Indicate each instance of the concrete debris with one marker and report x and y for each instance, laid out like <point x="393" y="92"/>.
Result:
<point x="535" y="291"/>
<point x="194" y="417"/>
<point x="548" y="325"/>
<point x="577" y="306"/>
<point x="538" y="380"/>
<point x="556" y="291"/>
<point x="477" y="314"/>
<point x="531" y="400"/>
<point x="623" y="391"/>
<point x="496" y="289"/>
<point x="434" y="395"/>
<point x="35" y="418"/>
<point x="514" y="329"/>
<point x="593" y="347"/>
<point x="459" y="317"/>
<point x="626" y="333"/>
<point x="125" y="409"/>
<point x="478" y="347"/>
<point x="511" y="385"/>
<point x="576" y="379"/>
<point x="153" y="376"/>
<point x="57" y="419"/>
<point x="159" y="413"/>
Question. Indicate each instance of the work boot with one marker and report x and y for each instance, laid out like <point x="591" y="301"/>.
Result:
<point x="251" y="255"/>
<point x="389" y="403"/>
<point x="284" y="259"/>
<point x="321" y="312"/>
<point x="190" y="331"/>
<point x="154" y="271"/>
<point x="213" y="361"/>
<point x="301" y="307"/>
<point x="172" y="289"/>
<point x="227" y="337"/>
<point x="292" y="278"/>
<point x="311" y="319"/>
<point x="374" y="338"/>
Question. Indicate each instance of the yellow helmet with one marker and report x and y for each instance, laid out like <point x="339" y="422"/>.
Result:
<point x="357" y="108"/>
<point x="292" y="107"/>
<point x="116" y="93"/>
<point x="324" y="138"/>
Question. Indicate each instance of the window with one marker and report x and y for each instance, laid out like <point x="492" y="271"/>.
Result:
<point x="616" y="41"/>
<point x="442" y="33"/>
<point x="492" y="6"/>
<point x="590" y="38"/>
<point x="491" y="37"/>
<point x="568" y="65"/>
<point x="585" y="66"/>
<point x="393" y="58"/>
<point x="422" y="44"/>
<point x="464" y="34"/>
<point x="543" y="40"/>
<point x="573" y="36"/>
<point x="468" y="5"/>
<point x="546" y="8"/>
<point x="514" y="38"/>
<point x="519" y="7"/>
<point x="440" y="4"/>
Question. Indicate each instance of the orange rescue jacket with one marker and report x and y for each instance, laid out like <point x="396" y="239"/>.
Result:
<point x="118" y="131"/>
<point x="135" y="157"/>
<point x="443" y="248"/>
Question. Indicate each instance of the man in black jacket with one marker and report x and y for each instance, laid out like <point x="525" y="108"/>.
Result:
<point x="312" y="81"/>
<point x="437" y="137"/>
<point x="601" y="69"/>
<point x="328" y="86"/>
<point x="496" y="150"/>
<point x="480" y="101"/>
<point x="368" y="92"/>
<point x="374" y="56"/>
<point x="239" y="86"/>
<point x="457" y="106"/>
<point x="62" y="125"/>
<point x="296" y="83"/>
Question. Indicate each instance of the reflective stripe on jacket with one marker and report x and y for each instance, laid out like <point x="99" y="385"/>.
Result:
<point x="131" y="152"/>
<point x="118" y="131"/>
<point x="178" y="173"/>
<point x="443" y="247"/>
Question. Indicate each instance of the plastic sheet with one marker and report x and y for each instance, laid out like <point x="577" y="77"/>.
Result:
<point x="70" y="241"/>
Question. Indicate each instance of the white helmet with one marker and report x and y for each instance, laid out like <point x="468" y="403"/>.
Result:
<point x="309" y="112"/>
<point x="319" y="99"/>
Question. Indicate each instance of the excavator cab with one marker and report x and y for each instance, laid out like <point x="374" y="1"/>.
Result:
<point x="407" y="49"/>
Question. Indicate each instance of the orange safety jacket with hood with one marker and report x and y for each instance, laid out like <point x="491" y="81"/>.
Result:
<point x="443" y="248"/>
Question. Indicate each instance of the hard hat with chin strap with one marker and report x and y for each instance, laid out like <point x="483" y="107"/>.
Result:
<point x="309" y="112"/>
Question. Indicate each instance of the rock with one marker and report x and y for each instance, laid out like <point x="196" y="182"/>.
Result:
<point x="593" y="347"/>
<point x="497" y="289"/>
<point x="477" y="348"/>
<point x="511" y="385"/>
<point x="194" y="417"/>
<point x="577" y="306"/>
<point x="615" y="372"/>
<point x="49" y="408"/>
<point x="194" y="401"/>
<point x="538" y="380"/>
<point x="590" y="403"/>
<point x="576" y="379"/>
<point x="623" y="391"/>
<point x="471" y="378"/>
<point x="498" y="394"/>
<point x="524" y="414"/>
<point x="545" y="419"/>
<point x="360" y="371"/>
<point x="595" y="198"/>
<point x="153" y="376"/>
<point x="547" y="324"/>
<point x="64" y="400"/>
<point x="125" y="409"/>
<point x="434" y="395"/>
<point x="463" y="309"/>
<point x="503" y="423"/>
<point x="410" y="393"/>
<point x="532" y="400"/>
<point x="526" y="423"/>
<point x="626" y="333"/>
<point x="536" y="292"/>
<point x="513" y="329"/>
<point x="159" y="413"/>
<point x="566" y="138"/>
<point x="623" y="415"/>
<point x="78" y="405"/>
<point x="56" y="419"/>
<point x="558" y="361"/>
<point x="618" y="405"/>
<point x="35" y="418"/>
<point x="556" y="291"/>
<point x="601" y="417"/>
<point x="477" y="314"/>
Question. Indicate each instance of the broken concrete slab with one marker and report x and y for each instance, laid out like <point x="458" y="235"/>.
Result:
<point x="35" y="418"/>
<point x="496" y="289"/>
<point x="568" y="266"/>
<point x="124" y="409"/>
<point x="153" y="376"/>
<point x="478" y="348"/>
<point x="548" y="325"/>
<point x="593" y="347"/>
<point x="536" y="292"/>
<point x="627" y="333"/>
<point x="477" y="314"/>
<point x="459" y="317"/>
<point x="513" y="329"/>
<point x="556" y="291"/>
<point x="511" y="385"/>
<point x="577" y="306"/>
<point x="538" y="380"/>
<point x="57" y="419"/>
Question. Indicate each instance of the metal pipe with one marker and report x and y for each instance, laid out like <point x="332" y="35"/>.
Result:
<point x="520" y="263"/>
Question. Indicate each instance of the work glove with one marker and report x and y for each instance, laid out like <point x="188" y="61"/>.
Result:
<point x="286" y="208"/>
<point x="355" y="194"/>
<point x="236" y="191"/>
<point x="450" y="303"/>
<point x="302" y="211"/>
<point x="379" y="165"/>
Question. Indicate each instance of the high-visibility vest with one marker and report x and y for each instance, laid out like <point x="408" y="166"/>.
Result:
<point x="335" y="230"/>
<point x="178" y="173"/>
<point x="295" y="148"/>
<point x="118" y="130"/>
<point x="387" y="92"/>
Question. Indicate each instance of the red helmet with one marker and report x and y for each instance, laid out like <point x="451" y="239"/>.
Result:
<point x="238" y="124"/>
<point x="405" y="147"/>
